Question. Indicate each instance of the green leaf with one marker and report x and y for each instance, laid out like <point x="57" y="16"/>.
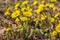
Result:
<point x="41" y="31"/>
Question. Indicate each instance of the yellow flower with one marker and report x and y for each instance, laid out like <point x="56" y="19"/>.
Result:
<point x="23" y="18"/>
<point x="35" y="2"/>
<point x="36" y="19"/>
<point x="29" y="14"/>
<point x="7" y="13"/>
<point x="37" y="11"/>
<point x="29" y="9"/>
<point x="51" y="19"/>
<point x="54" y="33"/>
<point x="47" y="5"/>
<point x="51" y="5"/>
<point x="54" y="8"/>
<point x="17" y="20"/>
<point x="57" y="28"/>
<point x="43" y="1"/>
<point x="53" y="0"/>
<point x="20" y="26"/>
<point x="41" y="6"/>
<point x="56" y="15"/>
<point x="58" y="21"/>
<point x="15" y="14"/>
<point x="43" y="17"/>
<point x="26" y="9"/>
<point x="24" y="2"/>
<point x="23" y="9"/>
<point x="17" y="5"/>
<point x="8" y="29"/>
<point x="9" y="8"/>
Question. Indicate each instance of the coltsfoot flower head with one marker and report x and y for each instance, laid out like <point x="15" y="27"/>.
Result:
<point x="23" y="18"/>
<point x="41" y="6"/>
<point x="57" y="28"/>
<point x="20" y="26"/>
<point x="54" y="8"/>
<point x="17" y="20"/>
<point x="35" y="2"/>
<point x="51" y="5"/>
<point x="7" y="13"/>
<point x="54" y="33"/>
<point x="37" y="11"/>
<point x="29" y="9"/>
<point x="56" y="15"/>
<point x="36" y="19"/>
<point x="24" y="2"/>
<point x="15" y="14"/>
<point x="23" y="9"/>
<point x="17" y="5"/>
<point x="8" y="29"/>
<point x="43" y="17"/>
<point x="28" y="14"/>
<point x="59" y="21"/>
<point x="9" y="8"/>
<point x="53" y="0"/>
<point x="51" y="19"/>
<point x="47" y="4"/>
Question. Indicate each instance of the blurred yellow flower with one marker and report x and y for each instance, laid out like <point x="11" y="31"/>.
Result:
<point x="29" y="9"/>
<point x="43" y="17"/>
<point x="51" y="19"/>
<point x="47" y="4"/>
<point x="54" y="8"/>
<point x="53" y="0"/>
<point x="17" y="20"/>
<point x="23" y="18"/>
<point x="29" y="14"/>
<point x="57" y="28"/>
<point x="51" y="5"/>
<point x="58" y="21"/>
<point x="43" y="1"/>
<point x="17" y="5"/>
<point x="15" y="14"/>
<point x="56" y="15"/>
<point x="7" y="13"/>
<point x="41" y="6"/>
<point x="26" y="9"/>
<point x="54" y="33"/>
<point x="36" y="19"/>
<point x="8" y="29"/>
<point x="23" y="9"/>
<point x="20" y="26"/>
<point x="9" y="8"/>
<point x="37" y="11"/>
<point x="35" y="2"/>
<point x="24" y="2"/>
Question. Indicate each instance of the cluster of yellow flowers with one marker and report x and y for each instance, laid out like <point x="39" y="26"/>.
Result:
<point x="29" y="12"/>
<point x="23" y="12"/>
<point x="57" y="30"/>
